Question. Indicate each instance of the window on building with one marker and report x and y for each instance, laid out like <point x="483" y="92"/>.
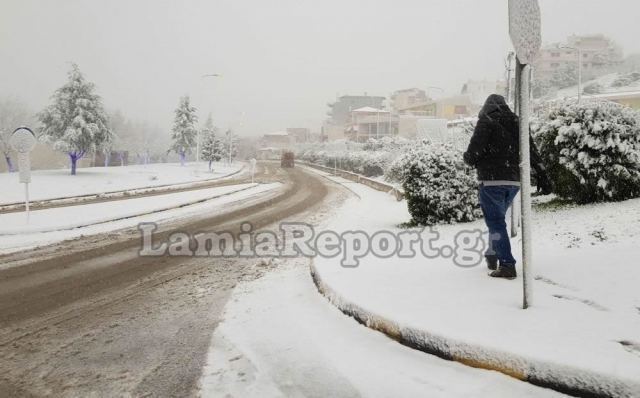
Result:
<point x="555" y="55"/>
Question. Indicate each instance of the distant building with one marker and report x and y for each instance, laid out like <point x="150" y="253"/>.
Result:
<point x="340" y="111"/>
<point x="278" y="140"/>
<point x="456" y="107"/>
<point x="598" y="55"/>
<point x="479" y="90"/>
<point x="368" y="122"/>
<point x="407" y="98"/>
<point x="300" y="135"/>
<point x="331" y="132"/>
<point x="412" y="101"/>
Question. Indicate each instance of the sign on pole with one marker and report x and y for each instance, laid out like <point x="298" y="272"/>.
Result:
<point x="23" y="141"/>
<point x="525" y="29"/>
<point x="526" y="36"/>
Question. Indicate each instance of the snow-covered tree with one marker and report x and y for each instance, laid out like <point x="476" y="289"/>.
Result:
<point x="565" y="76"/>
<point x="184" y="131"/>
<point x="13" y="114"/>
<point x="75" y="123"/>
<point x="211" y="146"/>
<point x="591" y="150"/>
<point x="229" y="145"/>
<point x="438" y="186"/>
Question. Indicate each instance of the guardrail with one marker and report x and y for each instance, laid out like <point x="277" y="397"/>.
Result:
<point x="351" y="176"/>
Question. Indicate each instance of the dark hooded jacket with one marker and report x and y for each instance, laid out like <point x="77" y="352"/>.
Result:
<point x="494" y="149"/>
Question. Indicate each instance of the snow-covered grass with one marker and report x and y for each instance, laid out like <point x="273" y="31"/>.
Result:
<point x="73" y="221"/>
<point x="585" y="317"/>
<point x="53" y="184"/>
<point x="70" y="217"/>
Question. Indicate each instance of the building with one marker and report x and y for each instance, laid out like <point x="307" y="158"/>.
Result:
<point x="456" y="107"/>
<point x="278" y="139"/>
<point x="300" y="135"/>
<point x="408" y="98"/>
<point x="368" y="123"/>
<point x="331" y="132"/>
<point x="340" y="111"/>
<point x="479" y="90"/>
<point x="598" y="53"/>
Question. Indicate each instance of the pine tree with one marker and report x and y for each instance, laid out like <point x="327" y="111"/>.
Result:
<point x="211" y="145"/>
<point x="229" y="145"/>
<point x="75" y="122"/>
<point x="183" y="133"/>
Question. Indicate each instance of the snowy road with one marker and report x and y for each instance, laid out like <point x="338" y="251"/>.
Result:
<point x="91" y="318"/>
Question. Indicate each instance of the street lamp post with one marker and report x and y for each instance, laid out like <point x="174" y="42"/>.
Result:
<point x="576" y="49"/>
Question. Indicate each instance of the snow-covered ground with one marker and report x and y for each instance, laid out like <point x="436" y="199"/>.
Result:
<point x="280" y="338"/>
<point x="53" y="184"/>
<point x="73" y="221"/>
<point x="586" y="310"/>
<point x="604" y="81"/>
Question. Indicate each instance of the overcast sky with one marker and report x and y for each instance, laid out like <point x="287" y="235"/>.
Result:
<point x="281" y="61"/>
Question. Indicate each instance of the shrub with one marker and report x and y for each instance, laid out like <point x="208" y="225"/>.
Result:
<point x="625" y="80"/>
<point x="592" y="150"/>
<point x="438" y="186"/>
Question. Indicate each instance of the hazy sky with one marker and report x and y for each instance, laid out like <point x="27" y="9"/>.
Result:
<point x="281" y="61"/>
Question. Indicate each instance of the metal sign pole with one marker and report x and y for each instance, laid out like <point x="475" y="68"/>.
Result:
<point x="526" y="35"/>
<point x="23" y="141"/>
<point x="525" y="181"/>
<point x="26" y="195"/>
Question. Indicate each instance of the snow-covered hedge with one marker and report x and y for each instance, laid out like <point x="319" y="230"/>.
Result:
<point x="592" y="150"/>
<point x="370" y="159"/>
<point x="438" y="186"/>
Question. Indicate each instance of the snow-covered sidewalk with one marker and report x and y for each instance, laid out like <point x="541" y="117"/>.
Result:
<point x="582" y="333"/>
<point x="58" y="184"/>
<point x="57" y="224"/>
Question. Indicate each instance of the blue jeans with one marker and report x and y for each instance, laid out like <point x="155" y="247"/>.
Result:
<point x="494" y="202"/>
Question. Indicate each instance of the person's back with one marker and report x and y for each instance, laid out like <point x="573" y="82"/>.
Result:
<point x="494" y="151"/>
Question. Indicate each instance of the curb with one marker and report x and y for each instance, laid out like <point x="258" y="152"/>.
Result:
<point x="562" y="378"/>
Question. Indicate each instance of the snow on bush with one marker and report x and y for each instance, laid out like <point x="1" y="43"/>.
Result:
<point x="626" y="80"/>
<point x="438" y="186"/>
<point x="591" y="149"/>
<point x="370" y="159"/>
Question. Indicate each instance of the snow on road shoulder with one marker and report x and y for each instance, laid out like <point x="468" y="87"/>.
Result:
<point x="279" y="338"/>
<point x="56" y="184"/>
<point x="586" y="312"/>
<point x="125" y="213"/>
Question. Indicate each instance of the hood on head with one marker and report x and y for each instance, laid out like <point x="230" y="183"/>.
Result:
<point x="494" y="103"/>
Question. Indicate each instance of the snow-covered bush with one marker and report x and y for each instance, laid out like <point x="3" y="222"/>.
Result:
<point x="438" y="186"/>
<point x="591" y="149"/>
<point x="625" y="80"/>
<point x="370" y="162"/>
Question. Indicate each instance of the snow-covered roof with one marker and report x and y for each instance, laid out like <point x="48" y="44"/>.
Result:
<point x="368" y="109"/>
<point x="278" y="133"/>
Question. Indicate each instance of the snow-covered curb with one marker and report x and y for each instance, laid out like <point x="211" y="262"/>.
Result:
<point x="27" y="229"/>
<point x="566" y="379"/>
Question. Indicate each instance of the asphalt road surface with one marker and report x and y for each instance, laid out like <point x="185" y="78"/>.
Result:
<point x="89" y="317"/>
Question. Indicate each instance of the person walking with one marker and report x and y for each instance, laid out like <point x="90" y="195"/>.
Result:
<point x="494" y="150"/>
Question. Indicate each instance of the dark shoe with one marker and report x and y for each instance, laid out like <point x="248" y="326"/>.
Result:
<point x="492" y="262"/>
<point x="506" y="272"/>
